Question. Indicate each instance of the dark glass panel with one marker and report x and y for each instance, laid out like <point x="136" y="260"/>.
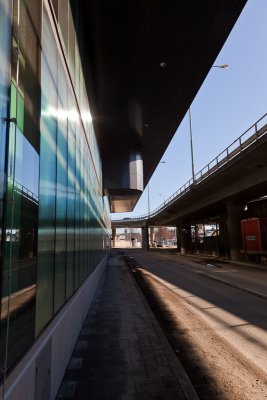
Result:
<point x="30" y="49"/>
<point x="72" y="46"/>
<point x="5" y="44"/>
<point x="55" y="6"/>
<point x="63" y="20"/>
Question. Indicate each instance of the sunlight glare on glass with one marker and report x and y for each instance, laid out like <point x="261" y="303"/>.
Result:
<point x="62" y="115"/>
<point x="86" y="116"/>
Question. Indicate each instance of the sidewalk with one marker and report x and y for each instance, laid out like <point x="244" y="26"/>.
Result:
<point x="122" y="353"/>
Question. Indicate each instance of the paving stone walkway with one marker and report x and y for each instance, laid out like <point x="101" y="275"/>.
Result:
<point x="121" y="353"/>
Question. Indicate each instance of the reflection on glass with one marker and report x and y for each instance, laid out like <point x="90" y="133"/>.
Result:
<point x="20" y="248"/>
<point x="54" y="176"/>
<point x="70" y="223"/>
<point x="61" y="195"/>
<point x="5" y="45"/>
<point x="47" y="206"/>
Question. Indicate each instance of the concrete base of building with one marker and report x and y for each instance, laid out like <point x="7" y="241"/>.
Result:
<point x="39" y="374"/>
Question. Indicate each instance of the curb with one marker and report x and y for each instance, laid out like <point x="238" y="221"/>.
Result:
<point x="181" y="376"/>
<point x="244" y="289"/>
<point x="215" y="263"/>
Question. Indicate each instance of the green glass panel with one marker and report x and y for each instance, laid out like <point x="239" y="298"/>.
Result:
<point x="20" y="113"/>
<point x="17" y="107"/>
<point x="13" y="101"/>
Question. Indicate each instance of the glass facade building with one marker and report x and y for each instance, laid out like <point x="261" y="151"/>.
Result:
<point x="54" y="221"/>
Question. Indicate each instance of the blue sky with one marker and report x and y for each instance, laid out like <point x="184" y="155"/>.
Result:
<point x="228" y="102"/>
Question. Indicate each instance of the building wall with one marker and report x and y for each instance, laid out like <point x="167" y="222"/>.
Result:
<point x="54" y="222"/>
<point x="39" y="373"/>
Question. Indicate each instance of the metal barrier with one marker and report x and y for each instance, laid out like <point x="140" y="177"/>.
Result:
<point x="22" y="190"/>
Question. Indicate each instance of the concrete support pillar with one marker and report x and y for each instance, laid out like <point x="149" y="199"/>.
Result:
<point x="234" y="216"/>
<point x="185" y="238"/>
<point x="178" y="237"/>
<point x="113" y="237"/>
<point x="145" y="238"/>
<point x="151" y="236"/>
<point x="223" y="245"/>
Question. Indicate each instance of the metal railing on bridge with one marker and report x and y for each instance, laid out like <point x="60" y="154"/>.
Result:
<point x="23" y="191"/>
<point x="250" y="136"/>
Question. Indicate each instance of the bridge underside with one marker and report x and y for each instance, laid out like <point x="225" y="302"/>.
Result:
<point x="144" y="62"/>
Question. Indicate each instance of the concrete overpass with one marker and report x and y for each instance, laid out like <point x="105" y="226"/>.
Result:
<point x="218" y="192"/>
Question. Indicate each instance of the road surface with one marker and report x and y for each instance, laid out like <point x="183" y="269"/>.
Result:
<point x="218" y="330"/>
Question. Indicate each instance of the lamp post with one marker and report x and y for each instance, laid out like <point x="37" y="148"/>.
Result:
<point x="148" y="193"/>
<point x="222" y="66"/>
<point x="163" y="198"/>
<point x="191" y="145"/>
<point x="148" y="200"/>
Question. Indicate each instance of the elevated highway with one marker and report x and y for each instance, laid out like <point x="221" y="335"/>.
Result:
<point x="219" y="191"/>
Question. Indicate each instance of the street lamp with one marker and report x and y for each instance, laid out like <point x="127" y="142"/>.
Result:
<point x="222" y="66"/>
<point x="148" y="193"/>
<point x="191" y="145"/>
<point x="163" y="198"/>
<point x="148" y="200"/>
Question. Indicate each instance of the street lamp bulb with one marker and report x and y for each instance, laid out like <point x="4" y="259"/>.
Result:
<point x="220" y="66"/>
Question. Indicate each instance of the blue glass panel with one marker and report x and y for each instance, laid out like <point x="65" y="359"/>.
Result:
<point x="61" y="193"/>
<point x="48" y="156"/>
<point x="77" y="207"/>
<point x="70" y="201"/>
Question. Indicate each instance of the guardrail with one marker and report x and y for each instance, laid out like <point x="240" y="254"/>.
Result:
<point x="28" y="194"/>
<point x="250" y="136"/>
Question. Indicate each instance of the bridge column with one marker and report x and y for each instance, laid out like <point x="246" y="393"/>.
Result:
<point x="145" y="237"/>
<point x="185" y="237"/>
<point x="178" y="237"/>
<point x="223" y="245"/>
<point x="234" y="216"/>
<point x="151" y="236"/>
<point x="113" y="236"/>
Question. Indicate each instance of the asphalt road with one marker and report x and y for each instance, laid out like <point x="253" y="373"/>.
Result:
<point x="223" y="313"/>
